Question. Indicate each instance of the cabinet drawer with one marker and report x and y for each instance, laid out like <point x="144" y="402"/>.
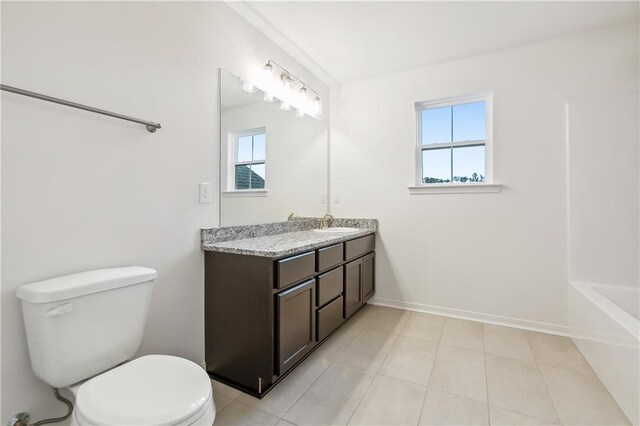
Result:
<point x="329" y="257"/>
<point x="359" y="247"/>
<point x="294" y="269"/>
<point x="329" y="318"/>
<point x="329" y="285"/>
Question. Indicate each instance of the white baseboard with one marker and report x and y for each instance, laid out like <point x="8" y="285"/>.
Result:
<point x="560" y="330"/>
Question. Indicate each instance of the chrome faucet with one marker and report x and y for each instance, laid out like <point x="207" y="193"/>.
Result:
<point x="324" y="222"/>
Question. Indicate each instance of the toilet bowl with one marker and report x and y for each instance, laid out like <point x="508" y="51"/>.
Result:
<point x="151" y="390"/>
<point x="83" y="329"/>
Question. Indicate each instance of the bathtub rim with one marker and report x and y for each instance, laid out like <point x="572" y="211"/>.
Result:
<point x="626" y="320"/>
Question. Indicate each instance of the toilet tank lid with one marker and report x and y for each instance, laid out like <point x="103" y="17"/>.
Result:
<point x="83" y="283"/>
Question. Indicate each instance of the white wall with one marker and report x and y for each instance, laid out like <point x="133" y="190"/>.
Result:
<point x="296" y="166"/>
<point x="603" y="190"/>
<point x="494" y="256"/>
<point x="83" y="191"/>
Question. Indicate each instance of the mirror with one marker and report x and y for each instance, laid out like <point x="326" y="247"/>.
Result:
<point x="272" y="162"/>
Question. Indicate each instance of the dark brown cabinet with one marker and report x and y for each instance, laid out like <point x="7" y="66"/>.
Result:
<point x="352" y="287"/>
<point x="368" y="276"/>
<point x="296" y="324"/>
<point x="264" y="315"/>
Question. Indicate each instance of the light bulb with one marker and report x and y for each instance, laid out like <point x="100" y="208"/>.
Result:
<point x="268" y="97"/>
<point x="267" y="78"/>
<point x="248" y="87"/>
<point x="316" y="107"/>
<point x="302" y="98"/>
<point x="288" y="92"/>
<point x="285" y="106"/>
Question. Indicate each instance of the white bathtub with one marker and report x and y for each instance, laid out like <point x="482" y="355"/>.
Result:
<point x="603" y="323"/>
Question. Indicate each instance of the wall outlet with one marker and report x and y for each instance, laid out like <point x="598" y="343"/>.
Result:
<point x="205" y="192"/>
<point x="337" y="198"/>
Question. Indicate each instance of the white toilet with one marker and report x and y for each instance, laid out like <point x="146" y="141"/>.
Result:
<point x="83" y="328"/>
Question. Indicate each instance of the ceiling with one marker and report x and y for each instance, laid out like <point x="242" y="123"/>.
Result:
<point x="347" y="41"/>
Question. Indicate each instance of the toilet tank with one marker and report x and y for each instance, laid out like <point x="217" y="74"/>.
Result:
<point x="83" y="324"/>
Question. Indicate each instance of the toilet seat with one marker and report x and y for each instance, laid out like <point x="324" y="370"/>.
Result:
<point x="151" y="390"/>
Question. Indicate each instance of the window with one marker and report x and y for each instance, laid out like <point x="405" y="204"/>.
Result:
<point x="249" y="165"/>
<point x="454" y="141"/>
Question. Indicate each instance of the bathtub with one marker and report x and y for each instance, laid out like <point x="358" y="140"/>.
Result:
<point x="603" y="323"/>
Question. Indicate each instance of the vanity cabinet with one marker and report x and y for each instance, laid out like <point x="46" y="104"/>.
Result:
<point x="264" y="315"/>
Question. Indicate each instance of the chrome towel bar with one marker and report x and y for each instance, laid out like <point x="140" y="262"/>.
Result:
<point x="150" y="125"/>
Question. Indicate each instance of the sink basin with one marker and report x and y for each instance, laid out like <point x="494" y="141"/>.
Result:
<point x="336" y="230"/>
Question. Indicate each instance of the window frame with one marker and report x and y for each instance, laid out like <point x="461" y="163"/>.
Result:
<point x="487" y="98"/>
<point x="234" y="139"/>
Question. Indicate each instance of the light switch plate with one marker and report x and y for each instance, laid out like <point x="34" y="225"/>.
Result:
<point x="337" y="198"/>
<point x="323" y="198"/>
<point x="205" y="192"/>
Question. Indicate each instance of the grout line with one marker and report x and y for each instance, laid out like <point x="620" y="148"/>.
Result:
<point x="535" y="359"/>
<point x="307" y="389"/>
<point x="332" y="361"/>
<point x="433" y="366"/>
<point x="486" y="374"/>
<point x="374" y="374"/>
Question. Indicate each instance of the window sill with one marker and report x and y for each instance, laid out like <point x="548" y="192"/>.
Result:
<point x="456" y="188"/>
<point x="246" y="193"/>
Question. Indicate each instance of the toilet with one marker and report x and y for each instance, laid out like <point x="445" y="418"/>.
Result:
<point x="83" y="330"/>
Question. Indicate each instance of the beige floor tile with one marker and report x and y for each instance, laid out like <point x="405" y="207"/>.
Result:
<point x="581" y="399"/>
<point x="507" y="342"/>
<point x="557" y="351"/>
<point x="287" y="392"/>
<point x="423" y="326"/>
<point x="361" y="318"/>
<point x="333" y="398"/>
<point x="227" y="390"/>
<point x="241" y="414"/>
<point x="368" y="350"/>
<point x="221" y="400"/>
<point x="519" y="387"/>
<point x="462" y="334"/>
<point x="410" y="359"/>
<point x="336" y="344"/>
<point x="441" y="408"/>
<point x="388" y="320"/>
<point x="500" y="416"/>
<point x="390" y="401"/>
<point x="461" y="372"/>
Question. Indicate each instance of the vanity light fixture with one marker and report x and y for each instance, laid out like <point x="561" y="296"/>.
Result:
<point x="278" y="84"/>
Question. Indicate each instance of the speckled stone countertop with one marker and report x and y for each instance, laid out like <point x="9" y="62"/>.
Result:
<point x="283" y="238"/>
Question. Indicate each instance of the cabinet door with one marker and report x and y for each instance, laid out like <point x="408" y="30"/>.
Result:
<point x="352" y="287"/>
<point x="295" y="324"/>
<point x="368" y="276"/>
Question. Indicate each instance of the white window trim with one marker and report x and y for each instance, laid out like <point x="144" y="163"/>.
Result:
<point x="232" y="163"/>
<point x="246" y="193"/>
<point x="455" y="187"/>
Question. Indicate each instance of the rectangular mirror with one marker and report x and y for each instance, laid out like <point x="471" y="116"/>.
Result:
<point x="272" y="162"/>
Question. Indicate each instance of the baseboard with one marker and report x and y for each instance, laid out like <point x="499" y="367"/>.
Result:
<point x="560" y="330"/>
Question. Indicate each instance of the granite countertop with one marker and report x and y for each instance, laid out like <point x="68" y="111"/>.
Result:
<point x="283" y="243"/>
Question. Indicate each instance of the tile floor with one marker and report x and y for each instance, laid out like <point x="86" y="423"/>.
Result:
<point x="394" y="367"/>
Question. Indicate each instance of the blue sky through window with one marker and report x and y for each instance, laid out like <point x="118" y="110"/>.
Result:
<point x="453" y="124"/>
